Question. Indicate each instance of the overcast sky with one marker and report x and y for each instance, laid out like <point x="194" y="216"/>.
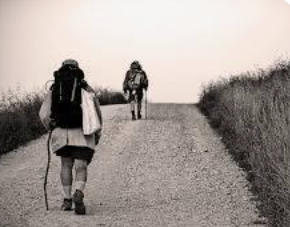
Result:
<point x="182" y="44"/>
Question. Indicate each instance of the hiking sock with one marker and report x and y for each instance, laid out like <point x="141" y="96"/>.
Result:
<point x="80" y="185"/>
<point x="67" y="192"/>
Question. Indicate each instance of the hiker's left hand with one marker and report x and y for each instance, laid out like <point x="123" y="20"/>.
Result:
<point x="98" y="133"/>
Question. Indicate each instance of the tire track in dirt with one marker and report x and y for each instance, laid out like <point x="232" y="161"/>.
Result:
<point x="169" y="170"/>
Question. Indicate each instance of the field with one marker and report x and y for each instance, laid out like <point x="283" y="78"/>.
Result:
<point x="19" y="120"/>
<point x="251" y="112"/>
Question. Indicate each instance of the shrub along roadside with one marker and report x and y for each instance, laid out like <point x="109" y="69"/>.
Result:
<point x="19" y="120"/>
<point x="252" y="114"/>
<point x="108" y="97"/>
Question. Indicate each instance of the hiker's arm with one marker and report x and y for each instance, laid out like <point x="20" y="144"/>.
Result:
<point x="45" y="112"/>
<point x="125" y="83"/>
<point x="146" y="82"/>
<point x="98" y="133"/>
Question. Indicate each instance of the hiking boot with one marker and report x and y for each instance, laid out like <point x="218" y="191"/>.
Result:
<point x="78" y="198"/>
<point x="66" y="205"/>
<point x="139" y="115"/>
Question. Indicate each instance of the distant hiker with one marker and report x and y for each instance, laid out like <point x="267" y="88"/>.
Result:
<point x="135" y="81"/>
<point x="75" y="119"/>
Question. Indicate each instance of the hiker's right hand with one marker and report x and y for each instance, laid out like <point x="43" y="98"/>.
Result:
<point x="126" y="95"/>
<point x="52" y="124"/>
<point x="98" y="135"/>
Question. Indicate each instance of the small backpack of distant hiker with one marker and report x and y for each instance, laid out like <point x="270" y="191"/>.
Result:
<point x="66" y="97"/>
<point x="135" y="80"/>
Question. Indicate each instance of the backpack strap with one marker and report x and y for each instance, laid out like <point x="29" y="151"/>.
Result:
<point x="73" y="94"/>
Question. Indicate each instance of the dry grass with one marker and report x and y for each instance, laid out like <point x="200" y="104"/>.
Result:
<point x="252" y="113"/>
<point x="19" y="120"/>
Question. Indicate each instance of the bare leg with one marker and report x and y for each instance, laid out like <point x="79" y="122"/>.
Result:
<point x="133" y="103"/>
<point x="81" y="168"/>
<point x="66" y="176"/>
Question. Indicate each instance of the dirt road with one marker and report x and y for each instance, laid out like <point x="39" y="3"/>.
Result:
<point x="169" y="170"/>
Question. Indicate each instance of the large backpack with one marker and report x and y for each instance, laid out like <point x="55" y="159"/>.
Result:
<point x="135" y="81"/>
<point x="66" y="108"/>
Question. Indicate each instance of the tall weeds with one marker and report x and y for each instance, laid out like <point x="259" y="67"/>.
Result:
<point x="252" y="113"/>
<point x="19" y="120"/>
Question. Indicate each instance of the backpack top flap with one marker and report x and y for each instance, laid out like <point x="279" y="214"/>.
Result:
<point x="72" y="70"/>
<point x="67" y="86"/>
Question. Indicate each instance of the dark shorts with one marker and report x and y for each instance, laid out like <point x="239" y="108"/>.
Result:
<point x="82" y="153"/>
<point x="139" y="94"/>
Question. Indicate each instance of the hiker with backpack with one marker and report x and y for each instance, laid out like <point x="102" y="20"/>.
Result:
<point x="72" y="112"/>
<point x="135" y="82"/>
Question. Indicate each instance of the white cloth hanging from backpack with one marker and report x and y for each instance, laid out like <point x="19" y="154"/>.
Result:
<point x="91" y="120"/>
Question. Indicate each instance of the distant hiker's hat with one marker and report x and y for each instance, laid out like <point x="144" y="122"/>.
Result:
<point x="135" y="65"/>
<point x="70" y="62"/>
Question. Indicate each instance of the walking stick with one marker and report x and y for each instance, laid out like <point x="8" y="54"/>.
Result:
<point x="47" y="169"/>
<point x="146" y="104"/>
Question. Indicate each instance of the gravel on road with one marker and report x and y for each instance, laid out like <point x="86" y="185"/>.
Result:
<point x="169" y="170"/>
